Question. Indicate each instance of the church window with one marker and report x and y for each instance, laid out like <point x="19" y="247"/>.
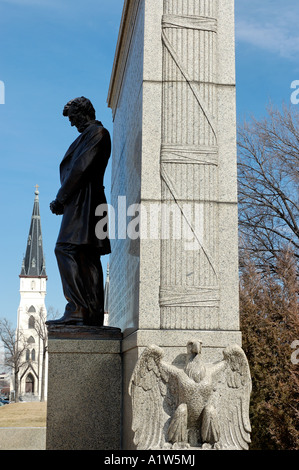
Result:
<point x="33" y="354"/>
<point x="32" y="309"/>
<point x="27" y="355"/>
<point x="31" y="340"/>
<point x="31" y="322"/>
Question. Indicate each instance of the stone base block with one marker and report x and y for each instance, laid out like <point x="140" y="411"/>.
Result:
<point x="173" y="343"/>
<point x="84" y="391"/>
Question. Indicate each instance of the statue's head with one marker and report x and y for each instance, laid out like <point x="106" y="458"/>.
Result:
<point x="194" y="347"/>
<point x="80" y="112"/>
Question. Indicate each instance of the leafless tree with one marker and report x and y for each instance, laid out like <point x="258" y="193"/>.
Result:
<point x="14" y="347"/>
<point x="268" y="153"/>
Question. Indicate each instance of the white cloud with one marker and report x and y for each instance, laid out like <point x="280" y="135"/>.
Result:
<point x="269" y="37"/>
<point x="269" y="25"/>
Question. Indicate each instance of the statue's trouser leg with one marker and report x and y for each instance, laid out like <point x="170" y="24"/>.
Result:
<point x="82" y="279"/>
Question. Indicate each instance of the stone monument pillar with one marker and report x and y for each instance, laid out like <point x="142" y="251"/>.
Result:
<point x="174" y="179"/>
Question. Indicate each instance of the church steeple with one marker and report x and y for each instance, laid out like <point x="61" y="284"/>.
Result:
<point x="34" y="261"/>
<point x="32" y="312"/>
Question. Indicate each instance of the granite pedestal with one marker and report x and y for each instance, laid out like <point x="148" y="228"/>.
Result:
<point x="84" y="392"/>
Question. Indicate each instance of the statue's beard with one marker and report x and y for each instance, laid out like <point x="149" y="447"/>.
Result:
<point x="81" y="126"/>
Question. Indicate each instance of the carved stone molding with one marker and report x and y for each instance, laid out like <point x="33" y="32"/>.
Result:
<point x="203" y="406"/>
<point x="189" y="294"/>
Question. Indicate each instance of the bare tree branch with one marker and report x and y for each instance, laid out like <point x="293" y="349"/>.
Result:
<point x="14" y="347"/>
<point x="268" y="165"/>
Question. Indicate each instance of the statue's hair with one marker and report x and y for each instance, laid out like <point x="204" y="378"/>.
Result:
<point x="82" y="105"/>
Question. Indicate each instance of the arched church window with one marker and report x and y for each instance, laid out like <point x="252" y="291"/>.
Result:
<point x="31" y="340"/>
<point x="27" y="355"/>
<point x="31" y="322"/>
<point x="32" y="309"/>
<point x="33" y="355"/>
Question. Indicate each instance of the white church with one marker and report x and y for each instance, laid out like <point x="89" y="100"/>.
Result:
<point x="32" y="313"/>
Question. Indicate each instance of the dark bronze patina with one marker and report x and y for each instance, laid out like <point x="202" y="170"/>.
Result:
<point x="78" y="250"/>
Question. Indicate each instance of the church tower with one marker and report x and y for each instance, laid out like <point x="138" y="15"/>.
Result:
<point x="32" y="313"/>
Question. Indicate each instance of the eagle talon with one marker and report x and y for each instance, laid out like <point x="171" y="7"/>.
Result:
<point x="181" y="446"/>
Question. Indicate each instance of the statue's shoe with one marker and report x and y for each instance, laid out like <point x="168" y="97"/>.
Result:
<point x="69" y="318"/>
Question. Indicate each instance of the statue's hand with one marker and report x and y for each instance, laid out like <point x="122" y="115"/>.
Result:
<point x="56" y="207"/>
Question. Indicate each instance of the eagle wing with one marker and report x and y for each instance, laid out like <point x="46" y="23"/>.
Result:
<point x="231" y="400"/>
<point x="150" y="389"/>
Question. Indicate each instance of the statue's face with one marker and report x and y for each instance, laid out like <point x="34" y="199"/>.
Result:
<point x="78" y="120"/>
<point x="194" y="347"/>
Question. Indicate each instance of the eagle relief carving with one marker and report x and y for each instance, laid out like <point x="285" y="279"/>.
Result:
<point x="204" y="405"/>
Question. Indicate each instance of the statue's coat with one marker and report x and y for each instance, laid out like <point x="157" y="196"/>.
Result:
<point x="81" y="174"/>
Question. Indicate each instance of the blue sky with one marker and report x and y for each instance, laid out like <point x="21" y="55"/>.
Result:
<point x="54" y="50"/>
